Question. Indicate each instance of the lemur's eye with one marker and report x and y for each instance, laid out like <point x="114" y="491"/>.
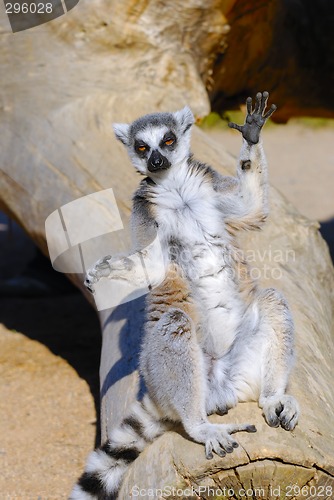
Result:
<point x="169" y="142"/>
<point x="168" y="139"/>
<point x="141" y="147"/>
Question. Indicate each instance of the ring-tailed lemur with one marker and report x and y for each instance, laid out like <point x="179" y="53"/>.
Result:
<point x="221" y="337"/>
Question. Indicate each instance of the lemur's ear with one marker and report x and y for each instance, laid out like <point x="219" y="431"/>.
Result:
<point x="122" y="132"/>
<point x="185" y="118"/>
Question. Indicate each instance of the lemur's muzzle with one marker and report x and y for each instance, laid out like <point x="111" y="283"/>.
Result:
<point x="157" y="162"/>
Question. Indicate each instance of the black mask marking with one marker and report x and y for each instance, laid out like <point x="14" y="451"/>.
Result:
<point x="141" y="148"/>
<point x="157" y="162"/>
<point x="169" y="141"/>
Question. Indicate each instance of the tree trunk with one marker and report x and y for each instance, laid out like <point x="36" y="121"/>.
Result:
<point x="64" y="84"/>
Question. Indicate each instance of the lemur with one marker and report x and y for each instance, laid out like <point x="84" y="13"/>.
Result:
<point x="212" y="336"/>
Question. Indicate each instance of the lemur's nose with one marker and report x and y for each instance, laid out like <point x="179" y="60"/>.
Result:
<point x="157" y="161"/>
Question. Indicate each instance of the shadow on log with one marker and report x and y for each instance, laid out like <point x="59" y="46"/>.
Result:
<point x="64" y="84"/>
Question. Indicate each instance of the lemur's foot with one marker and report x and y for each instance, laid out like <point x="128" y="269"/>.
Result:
<point x="221" y="409"/>
<point x="281" y="411"/>
<point x="217" y="437"/>
<point x="102" y="269"/>
<point x="255" y="118"/>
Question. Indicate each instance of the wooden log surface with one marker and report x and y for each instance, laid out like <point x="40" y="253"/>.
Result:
<point x="63" y="85"/>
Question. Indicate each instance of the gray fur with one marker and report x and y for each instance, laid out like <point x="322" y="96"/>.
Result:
<point x="176" y="122"/>
<point x="213" y="337"/>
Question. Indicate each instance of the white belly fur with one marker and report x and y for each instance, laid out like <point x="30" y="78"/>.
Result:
<point x="197" y="223"/>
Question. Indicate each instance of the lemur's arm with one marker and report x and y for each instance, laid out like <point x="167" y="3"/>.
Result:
<point x="144" y="265"/>
<point x="143" y="225"/>
<point x="245" y="207"/>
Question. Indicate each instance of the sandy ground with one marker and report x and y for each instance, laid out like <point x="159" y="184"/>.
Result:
<point x="49" y="347"/>
<point x="49" y="386"/>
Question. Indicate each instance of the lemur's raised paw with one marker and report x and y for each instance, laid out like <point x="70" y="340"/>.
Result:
<point x="255" y="118"/>
<point x="217" y="437"/>
<point x="102" y="269"/>
<point x="281" y="411"/>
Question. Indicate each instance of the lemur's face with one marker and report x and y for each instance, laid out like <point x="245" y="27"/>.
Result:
<point x="157" y="142"/>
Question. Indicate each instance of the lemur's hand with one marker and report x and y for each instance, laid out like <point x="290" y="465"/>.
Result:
<point x="102" y="269"/>
<point x="255" y="119"/>
<point x="112" y="268"/>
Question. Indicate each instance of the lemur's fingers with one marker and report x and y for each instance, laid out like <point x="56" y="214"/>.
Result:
<point x="264" y="101"/>
<point x="249" y="105"/>
<point x="283" y="410"/>
<point x="232" y="428"/>
<point x="218" y="439"/>
<point x="89" y="287"/>
<point x="234" y="125"/>
<point x="271" y="110"/>
<point x="91" y="276"/>
<point x="128" y="263"/>
<point x="258" y="102"/>
<point x="103" y="263"/>
<point x="208" y="450"/>
<point x="210" y="447"/>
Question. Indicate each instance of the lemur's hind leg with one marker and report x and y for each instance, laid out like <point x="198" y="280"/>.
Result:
<point x="277" y="331"/>
<point x="173" y="369"/>
<point x="221" y="395"/>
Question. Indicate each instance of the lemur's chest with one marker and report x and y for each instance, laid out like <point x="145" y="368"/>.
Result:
<point x="188" y="212"/>
<point x="191" y="229"/>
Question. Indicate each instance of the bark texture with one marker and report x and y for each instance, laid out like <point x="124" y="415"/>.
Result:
<point x="63" y="84"/>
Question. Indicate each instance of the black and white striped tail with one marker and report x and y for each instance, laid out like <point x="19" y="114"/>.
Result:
<point x="107" y="465"/>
